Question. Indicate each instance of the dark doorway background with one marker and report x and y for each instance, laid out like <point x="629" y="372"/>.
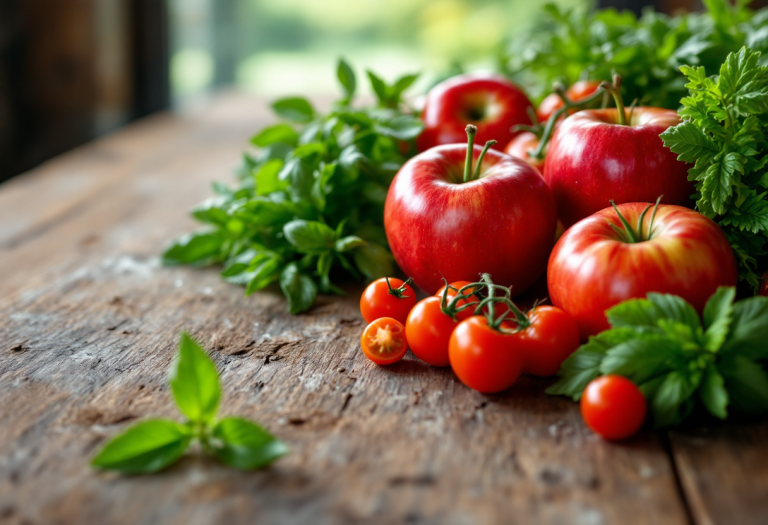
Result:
<point x="71" y="70"/>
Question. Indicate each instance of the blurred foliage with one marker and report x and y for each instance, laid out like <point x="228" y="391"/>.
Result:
<point x="578" y="44"/>
<point x="290" y="46"/>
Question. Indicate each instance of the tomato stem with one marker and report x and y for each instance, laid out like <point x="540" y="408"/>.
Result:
<point x="482" y="156"/>
<point x="471" y="132"/>
<point x="615" y="90"/>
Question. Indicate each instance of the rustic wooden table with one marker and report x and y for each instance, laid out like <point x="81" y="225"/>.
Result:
<point x="89" y="322"/>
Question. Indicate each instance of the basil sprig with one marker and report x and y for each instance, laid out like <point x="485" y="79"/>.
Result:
<point x="678" y="361"/>
<point x="310" y="202"/>
<point x="155" y="444"/>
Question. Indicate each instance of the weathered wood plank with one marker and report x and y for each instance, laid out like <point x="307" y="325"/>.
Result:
<point x="724" y="472"/>
<point x="88" y="326"/>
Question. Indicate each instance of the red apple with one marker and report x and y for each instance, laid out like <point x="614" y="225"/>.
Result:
<point x="679" y="251"/>
<point x="490" y="102"/>
<point x="444" y="219"/>
<point x="593" y="159"/>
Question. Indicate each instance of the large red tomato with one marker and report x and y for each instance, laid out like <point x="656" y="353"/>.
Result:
<point x="490" y="102"/>
<point x="593" y="159"/>
<point x="501" y="222"/>
<point x="593" y="267"/>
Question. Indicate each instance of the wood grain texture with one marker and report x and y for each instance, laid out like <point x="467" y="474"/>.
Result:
<point x="89" y="322"/>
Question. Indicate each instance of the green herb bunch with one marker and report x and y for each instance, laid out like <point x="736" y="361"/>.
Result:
<point x="661" y="345"/>
<point x="571" y="45"/>
<point x="311" y="200"/>
<point x="155" y="444"/>
<point x="724" y="131"/>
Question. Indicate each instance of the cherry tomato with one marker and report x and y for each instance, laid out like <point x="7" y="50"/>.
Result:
<point x="483" y="358"/>
<point x="428" y="331"/>
<point x="381" y="300"/>
<point x="577" y="92"/>
<point x="384" y="341"/>
<point x="764" y="287"/>
<point x="453" y="293"/>
<point x="552" y="336"/>
<point x="613" y="407"/>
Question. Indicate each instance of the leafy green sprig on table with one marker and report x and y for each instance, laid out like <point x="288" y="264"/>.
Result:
<point x="574" y="44"/>
<point x="661" y="345"/>
<point x="155" y="444"/>
<point x="311" y="200"/>
<point x="724" y="131"/>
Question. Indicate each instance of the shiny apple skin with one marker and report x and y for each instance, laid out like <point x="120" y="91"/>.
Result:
<point x="503" y="223"/>
<point x="592" y="160"/>
<point x="519" y="147"/>
<point x="458" y="101"/>
<point x="591" y="268"/>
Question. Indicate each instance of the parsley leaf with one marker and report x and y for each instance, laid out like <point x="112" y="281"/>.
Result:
<point x="724" y="134"/>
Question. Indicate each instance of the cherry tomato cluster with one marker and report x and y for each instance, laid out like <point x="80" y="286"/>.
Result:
<point x="473" y="327"/>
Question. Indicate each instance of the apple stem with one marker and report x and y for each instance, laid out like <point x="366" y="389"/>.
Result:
<point x="482" y="156"/>
<point x="549" y="128"/>
<point x="615" y="91"/>
<point x="471" y="132"/>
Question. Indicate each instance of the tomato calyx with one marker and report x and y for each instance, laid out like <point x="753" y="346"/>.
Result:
<point x="469" y="173"/>
<point x="399" y="292"/>
<point x="636" y="235"/>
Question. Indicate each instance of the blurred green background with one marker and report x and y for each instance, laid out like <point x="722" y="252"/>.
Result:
<point x="277" y="47"/>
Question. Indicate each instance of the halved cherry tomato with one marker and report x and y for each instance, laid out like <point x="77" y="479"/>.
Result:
<point x="551" y="337"/>
<point x="483" y="358"/>
<point x="428" y="331"/>
<point x="453" y="292"/>
<point x="383" y="341"/>
<point x="613" y="407"/>
<point x="393" y="300"/>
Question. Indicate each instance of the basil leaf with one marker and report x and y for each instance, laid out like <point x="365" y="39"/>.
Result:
<point x="195" y="382"/>
<point x="749" y="329"/>
<point x="747" y="384"/>
<point x="636" y="313"/>
<point x="264" y="270"/>
<point x="713" y="393"/>
<point x="676" y="309"/>
<point x="268" y="179"/>
<point x="717" y="317"/>
<point x="583" y="365"/>
<point x="379" y="87"/>
<point x="403" y="127"/>
<point x="296" y="109"/>
<point x="276" y="133"/>
<point x="669" y="405"/>
<point x="641" y="358"/>
<point x="374" y="261"/>
<point x="346" y="78"/>
<point x="197" y="249"/>
<point x="146" y="447"/>
<point x="348" y="243"/>
<point x="299" y="289"/>
<point x="210" y="211"/>
<point x="264" y="211"/>
<point x="310" y="236"/>
<point x="244" y="445"/>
